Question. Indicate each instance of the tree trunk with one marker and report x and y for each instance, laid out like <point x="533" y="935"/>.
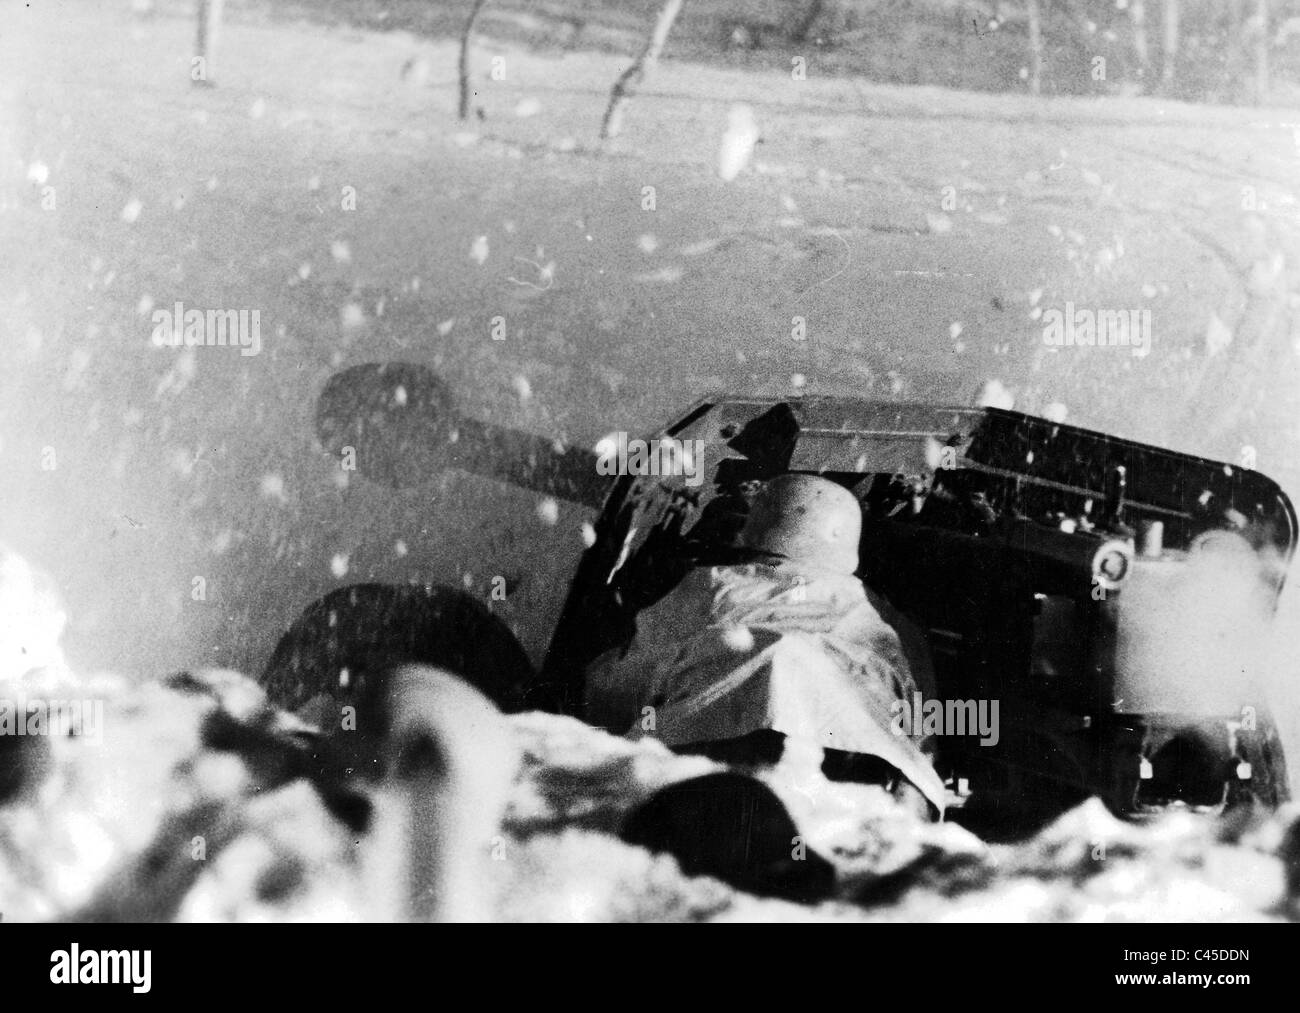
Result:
<point x="1169" y="46"/>
<point x="205" y="43"/>
<point x="1138" y="13"/>
<point x="809" y="20"/>
<point x="1035" y="49"/>
<point x="464" y="57"/>
<point x="627" y="83"/>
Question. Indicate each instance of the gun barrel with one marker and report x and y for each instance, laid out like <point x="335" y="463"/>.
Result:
<point x="401" y="422"/>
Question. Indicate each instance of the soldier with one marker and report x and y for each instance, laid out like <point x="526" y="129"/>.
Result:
<point x="787" y="645"/>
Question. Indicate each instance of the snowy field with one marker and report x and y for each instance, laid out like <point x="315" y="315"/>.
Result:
<point x="170" y="464"/>
<point x="920" y="234"/>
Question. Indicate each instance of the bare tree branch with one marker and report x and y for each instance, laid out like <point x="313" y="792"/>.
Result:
<point x="806" y="24"/>
<point x="464" y="57"/>
<point x="1262" y="88"/>
<point x="205" y="43"/>
<point x="1169" y="46"/>
<point x="1137" y="12"/>
<point x="1035" y="49"/>
<point x="635" y="74"/>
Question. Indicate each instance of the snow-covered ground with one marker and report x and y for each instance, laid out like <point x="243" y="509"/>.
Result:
<point x="132" y="470"/>
<point x="140" y="821"/>
<point x="181" y="503"/>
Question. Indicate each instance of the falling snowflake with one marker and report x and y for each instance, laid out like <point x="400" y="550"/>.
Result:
<point x="588" y="534"/>
<point x="339" y="565"/>
<point x="478" y="252"/>
<point x="258" y="109"/>
<point x="38" y="172"/>
<point x="934" y="454"/>
<point x="131" y="212"/>
<point x="1218" y="336"/>
<point x="176" y="379"/>
<point x="523" y="389"/>
<point x="182" y="460"/>
<point x="664" y="276"/>
<point x="738" y="638"/>
<point x="994" y="394"/>
<point x="341" y="252"/>
<point x="1264" y="274"/>
<point x="548" y="511"/>
<point x="272" y="487"/>
<point x="737" y="142"/>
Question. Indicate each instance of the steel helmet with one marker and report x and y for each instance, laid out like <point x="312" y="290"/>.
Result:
<point x="806" y="519"/>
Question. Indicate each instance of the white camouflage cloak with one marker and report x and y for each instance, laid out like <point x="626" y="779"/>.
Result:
<point x="735" y="649"/>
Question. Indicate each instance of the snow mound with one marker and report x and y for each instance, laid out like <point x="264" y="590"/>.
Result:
<point x="191" y="800"/>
